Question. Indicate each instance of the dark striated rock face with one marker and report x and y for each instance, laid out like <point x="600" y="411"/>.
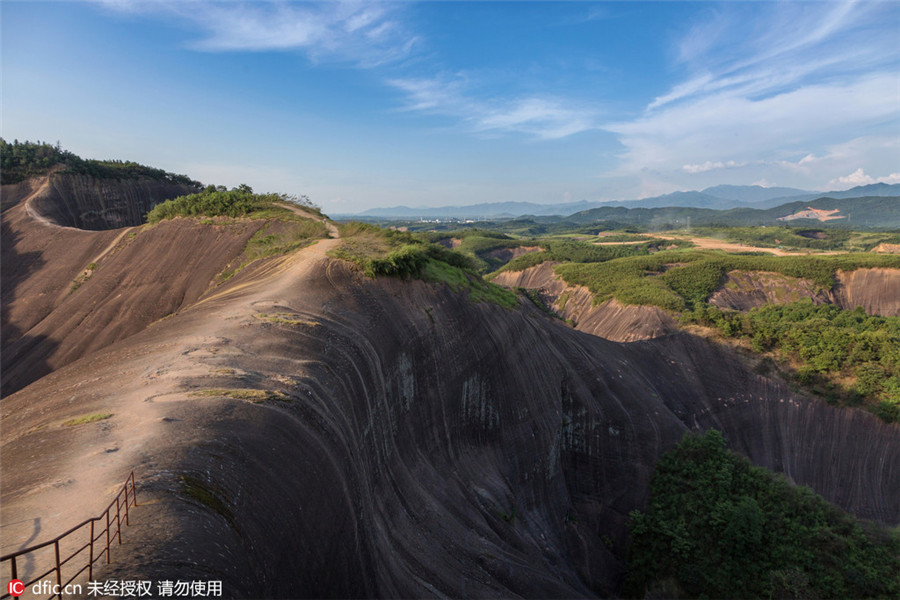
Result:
<point x="87" y="203"/>
<point x="430" y="446"/>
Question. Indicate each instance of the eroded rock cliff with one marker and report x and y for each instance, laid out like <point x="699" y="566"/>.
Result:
<point x="610" y="319"/>
<point x="410" y="443"/>
<point x="303" y="431"/>
<point x="877" y="291"/>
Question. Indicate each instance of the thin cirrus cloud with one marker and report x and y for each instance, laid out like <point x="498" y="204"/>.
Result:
<point x="370" y="35"/>
<point x="761" y="89"/>
<point x="367" y="34"/>
<point x="543" y="118"/>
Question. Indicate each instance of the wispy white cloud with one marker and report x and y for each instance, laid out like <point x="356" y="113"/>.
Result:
<point x="365" y="33"/>
<point x="542" y="117"/>
<point x="776" y="91"/>
<point x="711" y="166"/>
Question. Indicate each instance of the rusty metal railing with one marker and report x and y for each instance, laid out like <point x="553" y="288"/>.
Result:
<point x="107" y="531"/>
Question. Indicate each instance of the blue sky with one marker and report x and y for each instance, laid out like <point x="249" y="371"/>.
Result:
<point x="364" y="104"/>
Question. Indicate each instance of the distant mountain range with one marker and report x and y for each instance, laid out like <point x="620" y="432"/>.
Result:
<point x="871" y="212"/>
<point x="720" y="197"/>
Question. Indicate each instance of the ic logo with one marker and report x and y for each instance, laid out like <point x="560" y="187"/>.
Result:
<point x="15" y="588"/>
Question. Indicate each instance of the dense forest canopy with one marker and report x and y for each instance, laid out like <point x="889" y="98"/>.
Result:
<point x="22" y="160"/>
<point x="718" y="527"/>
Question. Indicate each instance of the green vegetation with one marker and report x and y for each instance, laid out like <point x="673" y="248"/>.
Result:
<point x="632" y="280"/>
<point x="564" y="250"/>
<point x="207" y="495"/>
<point x="479" y="244"/>
<point x="843" y="356"/>
<point x="878" y="212"/>
<point x="718" y="527"/>
<point x="291" y="319"/>
<point x="22" y="160"/>
<point x="87" y="419"/>
<point x="460" y="280"/>
<point x="827" y="343"/>
<point x="255" y="396"/>
<point x="283" y="238"/>
<point x="218" y="202"/>
<point x="392" y="253"/>
<point x="678" y="279"/>
<point x="800" y="238"/>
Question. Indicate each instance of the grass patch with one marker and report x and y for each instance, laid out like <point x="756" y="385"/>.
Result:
<point x="679" y="279"/>
<point x="290" y="236"/>
<point x="87" y="419"/>
<point x="286" y="319"/>
<point x="238" y="202"/>
<point x="208" y="496"/>
<point x="255" y="396"/>
<point x="566" y="250"/>
<point x="276" y="238"/>
<point x="460" y="280"/>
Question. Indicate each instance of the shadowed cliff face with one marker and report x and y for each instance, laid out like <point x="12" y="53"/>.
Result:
<point x="426" y="445"/>
<point x="85" y="202"/>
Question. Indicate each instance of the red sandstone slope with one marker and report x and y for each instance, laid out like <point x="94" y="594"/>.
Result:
<point x="68" y="292"/>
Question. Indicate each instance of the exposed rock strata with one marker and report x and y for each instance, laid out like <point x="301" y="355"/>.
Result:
<point x="67" y="292"/>
<point x="877" y="291"/>
<point x="575" y="303"/>
<point x="88" y="203"/>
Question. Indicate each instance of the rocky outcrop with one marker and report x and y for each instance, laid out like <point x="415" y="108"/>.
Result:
<point x="67" y="292"/>
<point x="745" y="290"/>
<point x="85" y="202"/>
<point x="424" y="446"/>
<point x="877" y="291"/>
<point x="505" y="255"/>
<point x="610" y="319"/>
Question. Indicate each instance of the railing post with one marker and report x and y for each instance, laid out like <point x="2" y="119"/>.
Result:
<point x="118" y="522"/>
<point x="13" y="563"/>
<point x="107" y="535"/>
<point x="127" y="522"/>
<point x="58" y="569"/>
<point x="91" y="554"/>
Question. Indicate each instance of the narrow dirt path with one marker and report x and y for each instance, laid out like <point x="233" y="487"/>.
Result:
<point x="29" y="210"/>
<point x="332" y="228"/>
<point x="112" y="244"/>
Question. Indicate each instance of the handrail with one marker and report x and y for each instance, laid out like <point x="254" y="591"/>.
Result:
<point x="107" y="515"/>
